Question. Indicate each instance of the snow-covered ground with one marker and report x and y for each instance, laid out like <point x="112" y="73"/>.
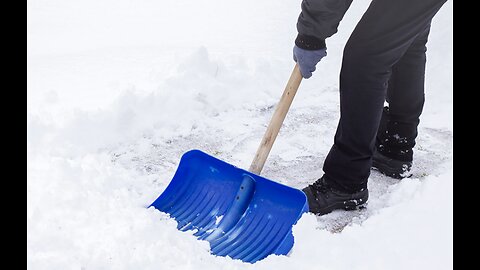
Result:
<point x="118" y="90"/>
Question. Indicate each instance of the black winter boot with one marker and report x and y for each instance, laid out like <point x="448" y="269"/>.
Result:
<point x="391" y="167"/>
<point x="323" y="198"/>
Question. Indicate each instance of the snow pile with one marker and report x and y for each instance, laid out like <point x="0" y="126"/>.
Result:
<point x="119" y="90"/>
<point x="397" y="237"/>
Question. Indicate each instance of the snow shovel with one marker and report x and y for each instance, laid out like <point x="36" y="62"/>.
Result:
<point x="242" y="215"/>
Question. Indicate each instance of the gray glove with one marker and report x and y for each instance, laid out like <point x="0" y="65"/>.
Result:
<point x="308" y="59"/>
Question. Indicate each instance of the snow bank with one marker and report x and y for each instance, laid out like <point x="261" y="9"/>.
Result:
<point x="396" y="237"/>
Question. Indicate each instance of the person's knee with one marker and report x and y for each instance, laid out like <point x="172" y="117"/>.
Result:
<point x="361" y="64"/>
<point x="357" y="67"/>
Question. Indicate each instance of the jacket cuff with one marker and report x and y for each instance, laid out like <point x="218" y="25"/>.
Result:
<point x="309" y="43"/>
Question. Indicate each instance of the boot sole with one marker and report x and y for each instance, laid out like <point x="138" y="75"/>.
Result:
<point x="349" y="205"/>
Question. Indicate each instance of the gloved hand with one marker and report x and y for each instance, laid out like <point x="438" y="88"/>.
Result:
<point x="307" y="60"/>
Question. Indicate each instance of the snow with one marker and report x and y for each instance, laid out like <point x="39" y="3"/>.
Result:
<point x="218" y="219"/>
<point x="119" y="90"/>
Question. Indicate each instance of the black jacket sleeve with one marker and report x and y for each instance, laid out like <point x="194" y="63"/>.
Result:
<point x="319" y="20"/>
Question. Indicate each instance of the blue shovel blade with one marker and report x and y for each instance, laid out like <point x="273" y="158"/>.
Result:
<point x="242" y="215"/>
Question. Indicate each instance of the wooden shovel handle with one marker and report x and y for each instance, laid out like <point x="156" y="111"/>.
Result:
<point x="276" y="121"/>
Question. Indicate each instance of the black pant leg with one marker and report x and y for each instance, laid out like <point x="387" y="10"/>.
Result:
<point x="380" y="39"/>
<point x="405" y="96"/>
